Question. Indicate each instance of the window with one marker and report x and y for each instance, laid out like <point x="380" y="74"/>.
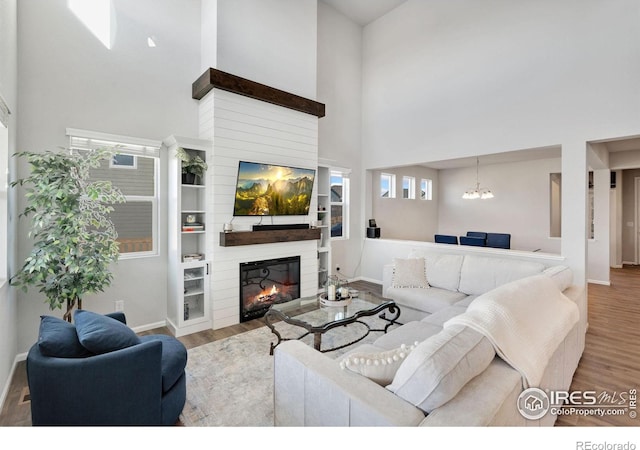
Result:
<point x="339" y="202"/>
<point x="134" y="170"/>
<point x="122" y="161"/>
<point x="387" y="185"/>
<point x="426" y="187"/>
<point x="97" y="17"/>
<point x="408" y="187"/>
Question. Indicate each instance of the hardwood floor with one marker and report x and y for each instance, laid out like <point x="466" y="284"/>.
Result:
<point x="611" y="360"/>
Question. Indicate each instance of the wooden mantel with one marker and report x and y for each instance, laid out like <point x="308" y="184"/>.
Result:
<point x="214" y="78"/>
<point x="235" y="238"/>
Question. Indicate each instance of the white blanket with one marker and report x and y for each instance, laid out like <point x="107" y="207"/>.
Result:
<point x="525" y="320"/>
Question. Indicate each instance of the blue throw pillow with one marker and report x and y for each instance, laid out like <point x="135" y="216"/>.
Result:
<point x="102" y="334"/>
<point x="58" y="338"/>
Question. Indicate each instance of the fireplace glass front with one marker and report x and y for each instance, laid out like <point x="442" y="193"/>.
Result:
<point x="263" y="283"/>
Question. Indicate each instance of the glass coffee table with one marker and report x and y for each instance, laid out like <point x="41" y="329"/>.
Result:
<point x="315" y="318"/>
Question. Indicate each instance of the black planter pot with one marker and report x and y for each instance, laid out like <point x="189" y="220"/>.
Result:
<point x="188" y="178"/>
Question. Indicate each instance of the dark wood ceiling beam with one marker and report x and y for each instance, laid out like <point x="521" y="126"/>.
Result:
<point x="214" y="78"/>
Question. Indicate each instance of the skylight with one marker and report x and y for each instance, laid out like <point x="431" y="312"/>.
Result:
<point x="96" y="16"/>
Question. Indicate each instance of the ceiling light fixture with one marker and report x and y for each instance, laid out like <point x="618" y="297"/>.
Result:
<point x="151" y="41"/>
<point x="477" y="192"/>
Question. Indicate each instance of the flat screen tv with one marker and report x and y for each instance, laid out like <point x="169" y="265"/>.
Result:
<point x="272" y="190"/>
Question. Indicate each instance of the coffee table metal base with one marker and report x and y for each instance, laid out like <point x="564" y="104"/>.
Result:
<point x="273" y="316"/>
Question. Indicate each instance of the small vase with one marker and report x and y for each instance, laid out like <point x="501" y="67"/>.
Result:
<point x="188" y="178"/>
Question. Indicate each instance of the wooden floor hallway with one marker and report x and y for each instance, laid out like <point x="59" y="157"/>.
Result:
<point x="611" y="360"/>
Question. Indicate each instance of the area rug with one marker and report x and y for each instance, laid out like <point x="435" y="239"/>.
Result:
<point x="230" y="381"/>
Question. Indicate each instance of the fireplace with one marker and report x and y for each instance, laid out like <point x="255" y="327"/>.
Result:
<point x="263" y="283"/>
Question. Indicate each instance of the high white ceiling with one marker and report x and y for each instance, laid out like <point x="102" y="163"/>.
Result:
<point x="364" y="12"/>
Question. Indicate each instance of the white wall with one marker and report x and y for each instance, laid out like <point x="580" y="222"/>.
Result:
<point x="401" y="218"/>
<point x="69" y="79"/>
<point x="520" y="206"/>
<point x="9" y="91"/>
<point x="447" y="79"/>
<point x="272" y="42"/>
<point x="339" y="132"/>
<point x="456" y="78"/>
<point x="208" y="34"/>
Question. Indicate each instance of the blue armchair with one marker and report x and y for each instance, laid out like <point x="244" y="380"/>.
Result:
<point x="99" y="372"/>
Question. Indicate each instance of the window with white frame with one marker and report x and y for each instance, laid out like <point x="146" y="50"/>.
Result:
<point x="134" y="170"/>
<point x="339" y="201"/>
<point x="387" y="185"/>
<point x="426" y="189"/>
<point x="408" y="187"/>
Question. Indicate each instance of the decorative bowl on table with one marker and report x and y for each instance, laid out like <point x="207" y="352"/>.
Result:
<point x="324" y="301"/>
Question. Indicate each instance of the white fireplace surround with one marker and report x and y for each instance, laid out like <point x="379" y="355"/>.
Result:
<point x="252" y="130"/>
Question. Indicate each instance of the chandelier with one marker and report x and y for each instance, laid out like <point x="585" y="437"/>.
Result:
<point x="477" y="192"/>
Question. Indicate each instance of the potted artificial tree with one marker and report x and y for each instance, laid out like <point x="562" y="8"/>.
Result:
<point x="193" y="167"/>
<point x="75" y="239"/>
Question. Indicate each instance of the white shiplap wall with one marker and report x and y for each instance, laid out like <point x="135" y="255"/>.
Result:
<point x="251" y="130"/>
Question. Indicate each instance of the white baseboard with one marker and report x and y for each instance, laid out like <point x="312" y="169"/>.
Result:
<point x="370" y="280"/>
<point x="604" y="283"/>
<point x="616" y="266"/>
<point x="150" y="326"/>
<point x="7" y="386"/>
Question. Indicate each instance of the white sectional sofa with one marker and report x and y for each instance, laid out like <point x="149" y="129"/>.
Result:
<point x="457" y="279"/>
<point x="467" y="382"/>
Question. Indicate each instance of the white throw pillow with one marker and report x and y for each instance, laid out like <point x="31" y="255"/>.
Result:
<point x="409" y="273"/>
<point x="443" y="270"/>
<point x="435" y="371"/>
<point x="379" y="367"/>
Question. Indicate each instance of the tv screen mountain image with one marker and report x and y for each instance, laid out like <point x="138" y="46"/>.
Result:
<point x="272" y="190"/>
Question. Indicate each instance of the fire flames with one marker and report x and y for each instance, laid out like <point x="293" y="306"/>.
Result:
<point x="267" y="295"/>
